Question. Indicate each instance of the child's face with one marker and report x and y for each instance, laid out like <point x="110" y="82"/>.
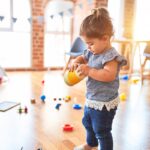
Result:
<point x="97" y="45"/>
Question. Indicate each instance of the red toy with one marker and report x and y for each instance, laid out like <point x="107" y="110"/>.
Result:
<point x="67" y="127"/>
<point x="43" y="81"/>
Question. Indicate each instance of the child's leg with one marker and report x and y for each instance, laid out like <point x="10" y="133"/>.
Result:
<point x="90" y="135"/>
<point x="102" y="125"/>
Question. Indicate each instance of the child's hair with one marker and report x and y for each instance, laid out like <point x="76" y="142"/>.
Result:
<point x="97" y="24"/>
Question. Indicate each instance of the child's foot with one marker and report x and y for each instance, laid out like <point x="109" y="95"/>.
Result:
<point x="83" y="147"/>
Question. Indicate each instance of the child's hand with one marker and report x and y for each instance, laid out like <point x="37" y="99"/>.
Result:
<point x="73" y="66"/>
<point x="83" y="69"/>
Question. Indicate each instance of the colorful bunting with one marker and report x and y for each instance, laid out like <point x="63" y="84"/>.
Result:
<point x="81" y="6"/>
<point x="1" y="18"/>
<point x="14" y="19"/>
<point x="61" y="14"/>
<point x="71" y="11"/>
<point x="30" y="20"/>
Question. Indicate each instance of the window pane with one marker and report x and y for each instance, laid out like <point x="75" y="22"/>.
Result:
<point x="142" y="23"/>
<point x="57" y="37"/>
<point x="15" y="50"/>
<point x="58" y="24"/>
<point x="116" y="12"/>
<point x="5" y="11"/>
<point x="55" y="47"/>
<point x="16" y="44"/>
<point x="22" y="11"/>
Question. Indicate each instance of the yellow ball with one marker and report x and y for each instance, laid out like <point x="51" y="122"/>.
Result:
<point x="72" y="77"/>
<point x="123" y="97"/>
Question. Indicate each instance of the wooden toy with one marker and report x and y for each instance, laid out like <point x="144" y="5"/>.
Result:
<point x="26" y="109"/>
<point x="33" y="101"/>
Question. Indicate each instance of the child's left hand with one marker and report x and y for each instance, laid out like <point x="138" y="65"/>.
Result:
<point x="83" y="69"/>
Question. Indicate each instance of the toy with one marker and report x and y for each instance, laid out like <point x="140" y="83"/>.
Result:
<point x="26" y="109"/>
<point x="67" y="98"/>
<point x="33" y="101"/>
<point x="123" y="96"/>
<point x="20" y="110"/>
<point x="67" y="127"/>
<point x="57" y="106"/>
<point x="54" y="99"/>
<point x="72" y="77"/>
<point x="43" y="81"/>
<point x="125" y="77"/>
<point x="43" y="97"/>
<point x="77" y="106"/>
<point x="1" y="80"/>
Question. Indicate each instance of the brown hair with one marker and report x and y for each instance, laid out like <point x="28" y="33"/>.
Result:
<point x="97" y="24"/>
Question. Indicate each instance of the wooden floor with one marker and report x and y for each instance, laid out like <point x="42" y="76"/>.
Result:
<point x="42" y="126"/>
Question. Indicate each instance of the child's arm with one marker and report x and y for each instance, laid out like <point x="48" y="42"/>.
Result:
<point x="77" y="61"/>
<point x="107" y="74"/>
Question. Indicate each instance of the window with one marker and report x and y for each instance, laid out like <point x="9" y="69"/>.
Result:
<point x="5" y="14"/>
<point x="15" y="34"/>
<point x="142" y="22"/>
<point x="116" y="13"/>
<point x="57" y="35"/>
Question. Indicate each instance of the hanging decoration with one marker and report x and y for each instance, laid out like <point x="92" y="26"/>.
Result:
<point x="80" y="6"/>
<point x="2" y="18"/>
<point x="30" y="19"/>
<point x="61" y="14"/>
<point x="14" y="19"/>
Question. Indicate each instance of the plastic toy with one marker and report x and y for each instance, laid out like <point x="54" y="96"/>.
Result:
<point x="67" y="127"/>
<point x="72" y="78"/>
<point x="54" y="99"/>
<point x="26" y="109"/>
<point x="33" y="101"/>
<point x="57" y="106"/>
<point x="124" y="77"/>
<point x="123" y="96"/>
<point x="1" y="80"/>
<point x="67" y="98"/>
<point x="77" y="106"/>
<point x="43" y="81"/>
<point x="20" y="110"/>
<point x="43" y="97"/>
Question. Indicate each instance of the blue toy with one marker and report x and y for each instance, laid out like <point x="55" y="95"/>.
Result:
<point x="125" y="77"/>
<point x="43" y="97"/>
<point x="57" y="106"/>
<point x="77" y="106"/>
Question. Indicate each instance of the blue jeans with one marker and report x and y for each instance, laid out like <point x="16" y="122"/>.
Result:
<point x="98" y="125"/>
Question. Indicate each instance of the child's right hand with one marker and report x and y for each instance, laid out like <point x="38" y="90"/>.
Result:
<point x="73" y="66"/>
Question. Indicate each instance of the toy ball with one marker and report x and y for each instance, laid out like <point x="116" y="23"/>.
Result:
<point x="123" y="96"/>
<point x="72" y="77"/>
